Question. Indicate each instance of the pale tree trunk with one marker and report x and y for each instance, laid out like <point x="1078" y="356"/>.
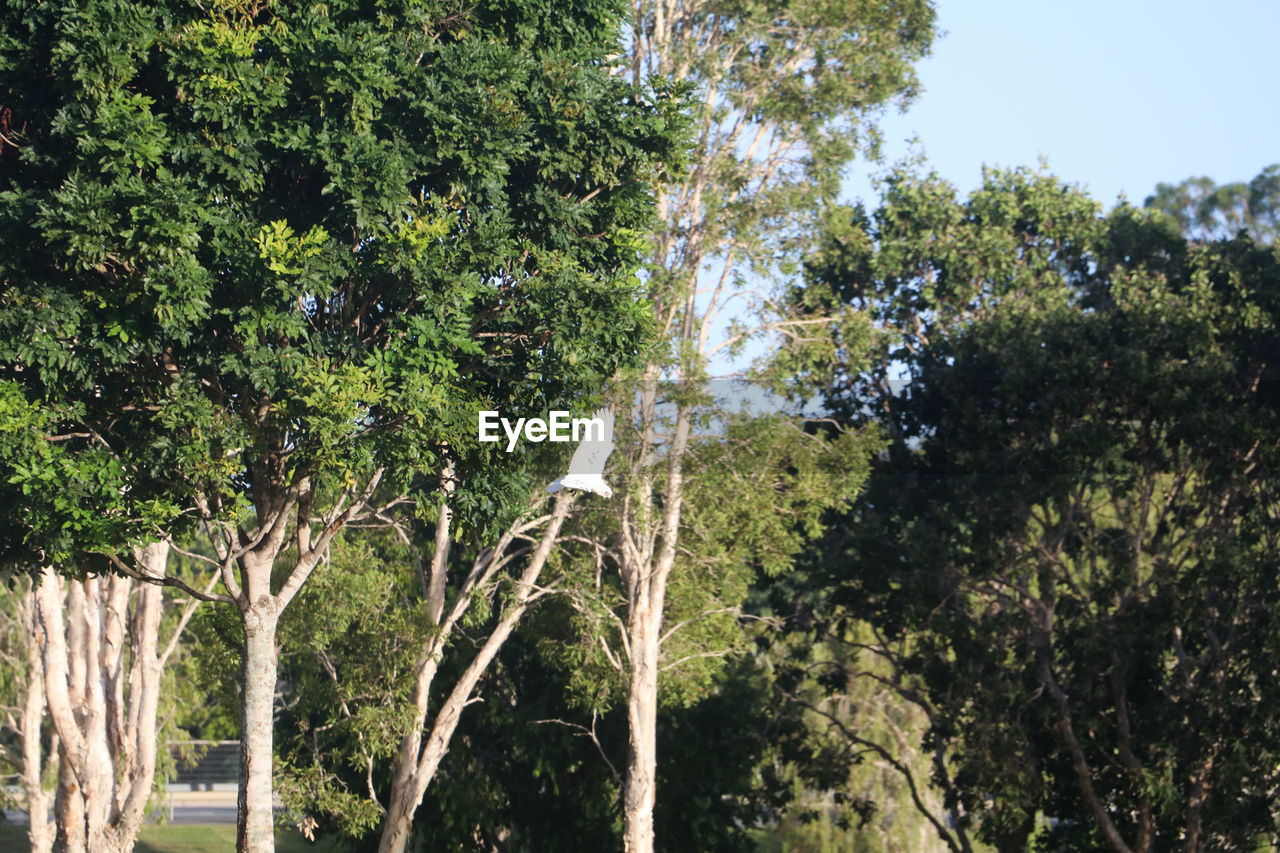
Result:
<point x="36" y="761"/>
<point x="69" y="811"/>
<point x="255" y="807"/>
<point x="102" y="701"/>
<point x="640" y="791"/>
<point x="681" y="247"/>
<point x="417" y="762"/>
<point x="246" y="560"/>
<point x="645" y="576"/>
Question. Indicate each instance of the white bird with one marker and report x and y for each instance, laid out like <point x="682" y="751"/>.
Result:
<point x="586" y="468"/>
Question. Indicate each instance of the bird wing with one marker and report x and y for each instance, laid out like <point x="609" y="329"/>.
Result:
<point x="592" y="452"/>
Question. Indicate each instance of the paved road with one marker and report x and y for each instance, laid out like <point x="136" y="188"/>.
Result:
<point x="191" y="809"/>
<point x="203" y="814"/>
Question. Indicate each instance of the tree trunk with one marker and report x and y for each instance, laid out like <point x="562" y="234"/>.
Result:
<point x="260" y="610"/>
<point x="416" y="764"/>
<point x="646" y="583"/>
<point x="397" y="826"/>
<point x="136" y="719"/>
<point x="35" y="761"/>
<point x="69" y="810"/>
<point x="642" y="719"/>
<point x="255" y="832"/>
<point x="1194" y="836"/>
<point x="106" y="734"/>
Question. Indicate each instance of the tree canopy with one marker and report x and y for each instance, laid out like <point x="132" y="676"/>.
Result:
<point x="1206" y="210"/>
<point x="1075" y="522"/>
<point x="264" y="262"/>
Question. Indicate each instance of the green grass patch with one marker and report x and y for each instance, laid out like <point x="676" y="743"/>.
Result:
<point x="188" y="839"/>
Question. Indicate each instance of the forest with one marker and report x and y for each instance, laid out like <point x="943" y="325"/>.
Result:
<point x="976" y="546"/>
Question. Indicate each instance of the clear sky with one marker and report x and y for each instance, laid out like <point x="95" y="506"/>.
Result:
<point x="1116" y="95"/>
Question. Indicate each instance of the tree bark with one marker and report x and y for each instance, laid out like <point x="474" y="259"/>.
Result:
<point x="35" y="761"/>
<point x="69" y="811"/>
<point x="646" y="584"/>
<point x="102" y="702"/>
<point x="255" y="554"/>
<point x="416" y="762"/>
<point x="255" y="825"/>
<point x="137" y="718"/>
<point x="1194" y="837"/>
<point x="640" y="791"/>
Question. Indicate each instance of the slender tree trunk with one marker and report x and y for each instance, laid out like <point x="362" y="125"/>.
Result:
<point x="255" y="556"/>
<point x="69" y="810"/>
<point x="255" y="831"/>
<point x="416" y="762"/>
<point x="35" y="761"/>
<point x="397" y="826"/>
<point x="642" y="718"/>
<point x="1194" y="839"/>
<point x="646" y="583"/>
<point x="98" y="772"/>
<point x="136" y="720"/>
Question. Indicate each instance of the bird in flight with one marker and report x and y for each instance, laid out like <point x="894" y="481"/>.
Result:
<point x="586" y="468"/>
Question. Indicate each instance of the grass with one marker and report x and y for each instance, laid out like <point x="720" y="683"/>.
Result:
<point x="187" y="839"/>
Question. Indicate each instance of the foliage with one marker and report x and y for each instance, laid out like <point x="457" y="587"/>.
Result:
<point x="532" y="779"/>
<point x="786" y="94"/>
<point x="310" y="237"/>
<point x="757" y="488"/>
<point x="1205" y="210"/>
<point x="1075" y="520"/>
<point x="261" y="260"/>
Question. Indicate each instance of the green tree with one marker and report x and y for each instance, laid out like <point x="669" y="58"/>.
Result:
<point x="757" y="489"/>
<point x="273" y="258"/>
<point x="785" y="95"/>
<point x="83" y="712"/>
<point x="1205" y="210"/>
<point x="522" y="775"/>
<point x="1075" y="521"/>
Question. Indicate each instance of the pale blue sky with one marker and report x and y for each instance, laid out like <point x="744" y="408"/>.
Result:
<point x="1116" y="95"/>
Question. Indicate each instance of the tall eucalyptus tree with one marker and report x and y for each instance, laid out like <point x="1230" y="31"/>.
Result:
<point x="785" y="95"/>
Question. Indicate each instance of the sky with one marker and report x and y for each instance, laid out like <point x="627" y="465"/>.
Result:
<point x="1117" y="96"/>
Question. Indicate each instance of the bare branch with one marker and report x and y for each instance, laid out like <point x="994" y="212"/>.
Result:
<point x="169" y="580"/>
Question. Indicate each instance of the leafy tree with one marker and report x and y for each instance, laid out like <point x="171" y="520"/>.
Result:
<point x="1205" y="210"/>
<point x="757" y="488"/>
<point x="1076" y="520"/>
<point x="523" y="776"/>
<point x="271" y="259"/>
<point x="785" y="95"/>
<point x="84" y="712"/>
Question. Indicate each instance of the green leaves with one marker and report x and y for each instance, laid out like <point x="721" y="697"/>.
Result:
<point x="1204" y="210"/>
<point x="313" y="231"/>
<point x="285" y="253"/>
<point x="1069" y="518"/>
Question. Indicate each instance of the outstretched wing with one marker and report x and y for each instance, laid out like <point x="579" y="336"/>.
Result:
<point x="587" y="465"/>
<point x="592" y="453"/>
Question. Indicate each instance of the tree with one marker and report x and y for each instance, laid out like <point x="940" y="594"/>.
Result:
<point x="378" y="677"/>
<point x="785" y="94"/>
<point x="92" y="647"/>
<point x="1081" y="549"/>
<point x="25" y="755"/>
<point x="273" y="259"/>
<point x="758" y="488"/>
<point x="1206" y="211"/>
